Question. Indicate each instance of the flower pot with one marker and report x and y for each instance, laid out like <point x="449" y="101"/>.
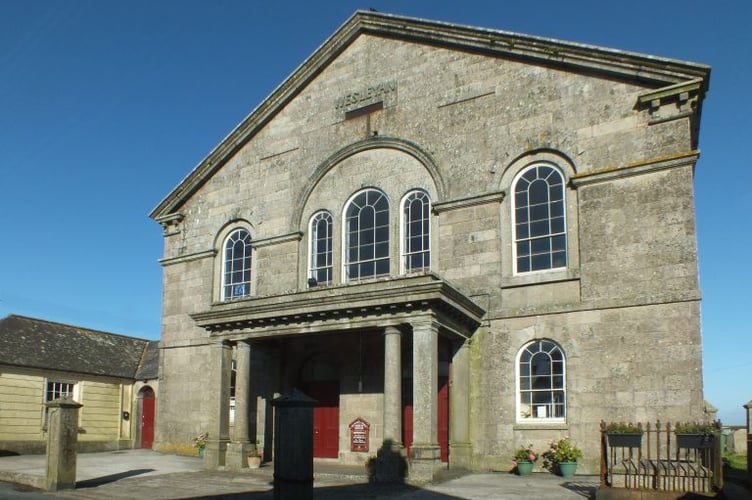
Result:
<point x="567" y="469"/>
<point x="524" y="468"/>
<point x="254" y="461"/>
<point x="697" y="441"/>
<point x="625" y="440"/>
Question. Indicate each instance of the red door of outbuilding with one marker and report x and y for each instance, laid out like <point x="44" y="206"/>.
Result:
<point x="325" y="418"/>
<point x="147" y="418"/>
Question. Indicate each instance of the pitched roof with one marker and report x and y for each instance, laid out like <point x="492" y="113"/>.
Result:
<point x="655" y="72"/>
<point x="35" y="343"/>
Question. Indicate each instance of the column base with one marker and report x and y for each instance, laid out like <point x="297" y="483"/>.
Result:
<point x="214" y="454"/>
<point x="236" y="456"/>
<point x="425" y="462"/>
<point x="460" y="455"/>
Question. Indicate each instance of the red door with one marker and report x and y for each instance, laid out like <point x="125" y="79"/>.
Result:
<point x="325" y="418"/>
<point x="442" y="416"/>
<point x="147" y="418"/>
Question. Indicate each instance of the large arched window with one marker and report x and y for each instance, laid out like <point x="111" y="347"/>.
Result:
<point x="416" y="232"/>
<point x="366" y="236"/>
<point x="320" y="244"/>
<point x="541" y="379"/>
<point x="540" y="235"/>
<point x="236" y="268"/>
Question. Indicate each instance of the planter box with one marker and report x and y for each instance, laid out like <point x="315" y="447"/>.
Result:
<point x="625" y="440"/>
<point x="694" y="440"/>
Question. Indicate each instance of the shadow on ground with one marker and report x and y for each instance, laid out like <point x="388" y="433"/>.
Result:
<point x="99" y="481"/>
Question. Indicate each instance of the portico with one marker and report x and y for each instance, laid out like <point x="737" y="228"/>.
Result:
<point x="418" y="311"/>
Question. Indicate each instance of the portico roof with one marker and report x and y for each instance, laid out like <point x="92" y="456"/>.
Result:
<point x="373" y="304"/>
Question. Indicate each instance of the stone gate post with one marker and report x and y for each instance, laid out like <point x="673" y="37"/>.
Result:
<point x="62" y="436"/>
<point x="293" y="446"/>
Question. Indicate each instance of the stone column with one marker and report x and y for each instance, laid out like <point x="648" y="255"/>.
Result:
<point x="393" y="387"/>
<point x="217" y="391"/>
<point x="426" y="454"/>
<point x="237" y="450"/>
<point x="459" y="406"/>
<point x="62" y="436"/>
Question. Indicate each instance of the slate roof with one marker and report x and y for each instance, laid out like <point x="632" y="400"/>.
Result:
<point x="35" y="343"/>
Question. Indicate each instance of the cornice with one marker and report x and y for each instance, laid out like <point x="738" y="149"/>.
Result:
<point x="470" y="201"/>
<point x="636" y="168"/>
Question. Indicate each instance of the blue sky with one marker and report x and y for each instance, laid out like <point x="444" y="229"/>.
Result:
<point x="105" y="106"/>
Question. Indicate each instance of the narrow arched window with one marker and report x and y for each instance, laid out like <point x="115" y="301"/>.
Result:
<point x="416" y="232"/>
<point x="236" y="276"/>
<point x="367" y="236"/>
<point x="320" y="240"/>
<point x="541" y="381"/>
<point x="539" y="222"/>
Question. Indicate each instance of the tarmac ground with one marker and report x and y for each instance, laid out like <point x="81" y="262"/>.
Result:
<point x="148" y="475"/>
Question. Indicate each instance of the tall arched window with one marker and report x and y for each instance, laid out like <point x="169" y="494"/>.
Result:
<point x="416" y="232"/>
<point x="539" y="222"/>
<point x="320" y="263"/>
<point x="236" y="275"/>
<point x="541" y="381"/>
<point x="367" y="236"/>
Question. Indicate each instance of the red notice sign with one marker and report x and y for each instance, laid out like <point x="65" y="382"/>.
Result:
<point x="359" y="435"/>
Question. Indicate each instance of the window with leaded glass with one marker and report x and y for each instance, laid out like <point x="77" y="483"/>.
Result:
<point x="367" y="236"/>
<point x="236" y="277"/>
<point x="416" y="232"/>
<point x="320" y="263"/>
<point x="541" y="381"/>
<point x="539" y="221"/>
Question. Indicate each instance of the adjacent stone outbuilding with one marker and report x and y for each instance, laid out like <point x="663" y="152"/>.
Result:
<point x="471" y="239"/>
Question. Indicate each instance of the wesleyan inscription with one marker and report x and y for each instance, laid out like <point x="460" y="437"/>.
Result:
<point x="378" y="92"/>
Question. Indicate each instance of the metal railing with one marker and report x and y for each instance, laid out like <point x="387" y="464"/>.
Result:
<point x="661" y="459"/>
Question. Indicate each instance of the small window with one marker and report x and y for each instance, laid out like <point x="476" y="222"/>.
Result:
<point x="539" y="221"/>
<point x="541" y="382"/>
<point x="320" y="264"/>
<point x="236" y="278"/>
<point x="367" y="236"/>
<point x="416" y="231"/>
<point x="56" y="390"/>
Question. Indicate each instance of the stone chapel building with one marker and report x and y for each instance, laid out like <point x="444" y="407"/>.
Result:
<point x="470" y="239"/>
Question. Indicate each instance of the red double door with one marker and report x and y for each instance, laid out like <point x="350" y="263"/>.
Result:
<point x="326" y="417"/>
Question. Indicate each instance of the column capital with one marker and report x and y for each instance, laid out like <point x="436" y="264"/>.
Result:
<point x="392" y="330"/>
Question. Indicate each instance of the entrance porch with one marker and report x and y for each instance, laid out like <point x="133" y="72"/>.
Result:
<point x="382" y="351"/>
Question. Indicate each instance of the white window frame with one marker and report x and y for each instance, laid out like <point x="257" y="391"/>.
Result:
<point x="73" y="393"/>
<point x="346" y="240"/>
<point x="313" y="239"/>
<point x="550" y="234"/>
<point x="530" y="413"/>
<point x="405" y="254"/>
<point x="248" y="255"/>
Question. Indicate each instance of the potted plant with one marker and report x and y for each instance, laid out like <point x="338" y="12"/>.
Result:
<point x="524" y="459"/>
<point x="695" y="435"/>
<point x="562" y="457"/>
<point x="624" y="435"/>
<point x="254" y="458"/>
<point x="199" y="442"/>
